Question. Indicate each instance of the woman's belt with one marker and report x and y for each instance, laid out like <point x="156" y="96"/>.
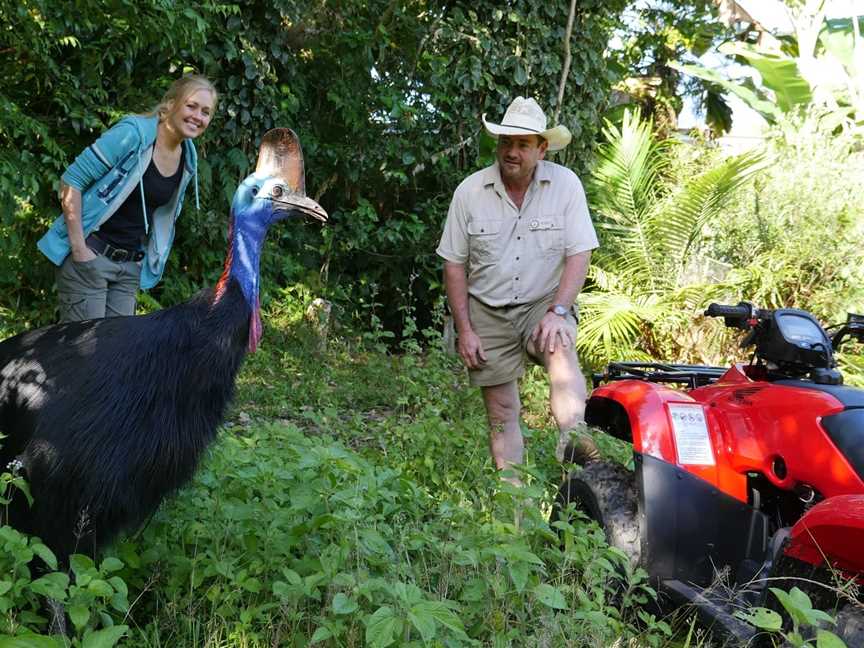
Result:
<point x="116" y="254"/>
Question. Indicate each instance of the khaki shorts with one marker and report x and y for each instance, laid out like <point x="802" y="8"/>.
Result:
<point x="505" y="333"/>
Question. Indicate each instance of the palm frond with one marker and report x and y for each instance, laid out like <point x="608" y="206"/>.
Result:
<point x="611" y="322"/>
<point x="629" y="164"/>
<point x="680" y="220"/>
<point x="604" y="280"/>
<point x="624" y="189"/>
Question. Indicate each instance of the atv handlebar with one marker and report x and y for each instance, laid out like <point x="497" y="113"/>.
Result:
<point x="744" y="310"/>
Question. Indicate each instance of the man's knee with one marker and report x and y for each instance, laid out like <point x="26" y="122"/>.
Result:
<point x="563" y="367"/>
<point x="502" y="404"/>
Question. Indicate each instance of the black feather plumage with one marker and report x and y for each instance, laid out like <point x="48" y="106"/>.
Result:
<point x="110" y="416"/>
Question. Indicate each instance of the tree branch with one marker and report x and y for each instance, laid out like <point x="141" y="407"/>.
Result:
<point x="566" y="70"/>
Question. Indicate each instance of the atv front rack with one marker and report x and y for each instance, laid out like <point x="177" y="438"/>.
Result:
<point x="691" y="375"/>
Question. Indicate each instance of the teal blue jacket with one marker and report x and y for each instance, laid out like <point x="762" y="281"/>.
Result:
<point x="105" y="173"/>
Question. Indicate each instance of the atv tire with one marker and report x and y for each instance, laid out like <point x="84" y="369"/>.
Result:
<point x="850" y="625"/>
<point x="606" y="493"/>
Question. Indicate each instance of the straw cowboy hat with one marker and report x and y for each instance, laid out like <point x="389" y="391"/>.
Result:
<point x="525" y="117"/>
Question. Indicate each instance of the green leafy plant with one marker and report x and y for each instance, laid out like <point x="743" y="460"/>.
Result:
<point x="645" y="277"/>
<point x="803" y="618"/>
<point x="29" y="576"/>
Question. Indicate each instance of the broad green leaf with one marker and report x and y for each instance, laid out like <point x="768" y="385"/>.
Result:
<point x="252" y="584"/>
<point x="81" y="563"/>
<point x="45" y="554"/>
<point x="441" y="612"/>
<point x="79" y="614"/>
<point x="520" y="76"/>
<point x="817" y="617"/>
<point x="342" y="604"/>
<point x="283" y="590"/>
<point x="381" y="627"/>
<point x="423" y="621"/>
<point x="762" y="618"/>
<point x="796" y="603"/>
<point x="519" y="572"/>
<point x="753" y="97"/>
<point x="550" y="596"/>
<point x="292" y="576"/>
<point x="475" y="590"/>
<point x="100" y="588"/>
<point x="825" y="639"/>
<point x="517" y="553"/>
<point x="321" y="634"/>
<point x="106" y="638"/>
<point x="111" y="564"/>
<point x="119" y="585"/>
<point x="800" y="598"/>
<point x="52" y="585"/>
<point x="779" y="72"/>
<point x="373" y="542"/>
<point x="838" y="38"/>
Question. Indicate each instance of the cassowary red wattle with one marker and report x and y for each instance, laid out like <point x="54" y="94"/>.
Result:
<point x="107" y="417"/>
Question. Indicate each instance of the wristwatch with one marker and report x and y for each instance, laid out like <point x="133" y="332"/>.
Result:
<point x="558" y="309"/>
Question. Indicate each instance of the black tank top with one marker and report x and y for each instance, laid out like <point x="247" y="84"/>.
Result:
<point x="125" y="228"/>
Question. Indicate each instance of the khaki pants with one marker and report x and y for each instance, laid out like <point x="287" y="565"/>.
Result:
<point x="97" y="288"/>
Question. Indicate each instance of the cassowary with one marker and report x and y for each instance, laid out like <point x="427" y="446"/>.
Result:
<point x="107" y="417"/>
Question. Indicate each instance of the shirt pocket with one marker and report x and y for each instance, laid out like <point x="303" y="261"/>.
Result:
<point x="547" y="234"/>
<point x="483" y="240"/>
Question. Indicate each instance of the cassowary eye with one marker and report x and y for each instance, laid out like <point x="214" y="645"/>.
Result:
<point x="277" y="191"/>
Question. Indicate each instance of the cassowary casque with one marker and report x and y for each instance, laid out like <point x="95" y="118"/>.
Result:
<point x="107" y="417"/>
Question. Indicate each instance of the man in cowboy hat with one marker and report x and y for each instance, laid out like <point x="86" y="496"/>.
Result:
<point x="516" y="247"/>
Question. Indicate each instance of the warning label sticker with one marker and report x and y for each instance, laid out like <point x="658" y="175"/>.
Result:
<point x="692" y="440"/>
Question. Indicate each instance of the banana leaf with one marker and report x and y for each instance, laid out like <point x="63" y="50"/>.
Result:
<point x="752" y="96"/>
<point x="779" y="73"/>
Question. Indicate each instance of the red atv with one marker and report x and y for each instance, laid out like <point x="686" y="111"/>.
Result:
<point x="742" y="475"/>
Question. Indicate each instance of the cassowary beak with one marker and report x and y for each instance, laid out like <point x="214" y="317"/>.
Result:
<point x="296" y="202"/>
<point x="280" y="156"/>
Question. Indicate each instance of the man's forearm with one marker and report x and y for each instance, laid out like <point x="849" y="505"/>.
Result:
<point x="572" y="278"/>
<point x="456" y="285"/>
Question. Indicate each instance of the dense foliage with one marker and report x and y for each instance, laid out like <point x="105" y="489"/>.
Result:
<point x="350" y="501"/>
<point x="386" y="97"/>
<point x="655" y="33"/>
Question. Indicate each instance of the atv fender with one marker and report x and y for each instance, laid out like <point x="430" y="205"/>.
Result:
<point x="636" y="411"/>
<point x="832" y="530"/>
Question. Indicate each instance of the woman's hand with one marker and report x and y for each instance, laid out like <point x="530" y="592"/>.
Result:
<point x="83" y="255"/>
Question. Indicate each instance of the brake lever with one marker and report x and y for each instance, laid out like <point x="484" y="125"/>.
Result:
<point x="748" y="339"/>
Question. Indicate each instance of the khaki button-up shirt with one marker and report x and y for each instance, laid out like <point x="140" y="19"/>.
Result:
<point x="516" y="256"/>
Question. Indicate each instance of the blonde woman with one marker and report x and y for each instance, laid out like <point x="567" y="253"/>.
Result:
<point x="120" y="198"/>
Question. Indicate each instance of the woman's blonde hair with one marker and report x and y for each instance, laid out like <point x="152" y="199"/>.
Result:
<point x="180" y="91"/>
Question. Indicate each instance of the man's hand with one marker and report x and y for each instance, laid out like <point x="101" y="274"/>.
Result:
<point x="552" y="331"/>
<point x="471" y="350"/>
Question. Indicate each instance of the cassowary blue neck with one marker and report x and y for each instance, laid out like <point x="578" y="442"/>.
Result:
<point x="247" y="240"/>
<point x="246" y="233"/>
